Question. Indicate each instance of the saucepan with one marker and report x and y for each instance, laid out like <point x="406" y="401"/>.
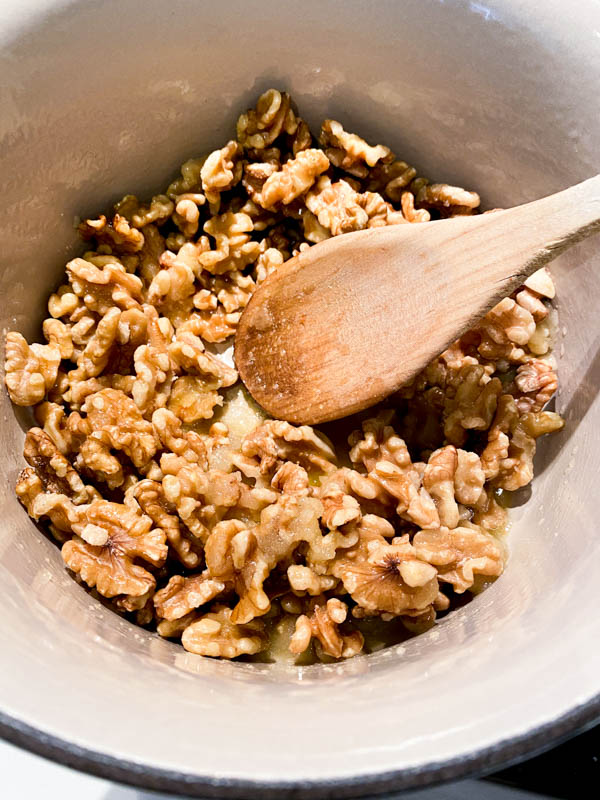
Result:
<point x="108" y="97"/>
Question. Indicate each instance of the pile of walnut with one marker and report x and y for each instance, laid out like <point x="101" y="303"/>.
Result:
<point x="210" y="528"/>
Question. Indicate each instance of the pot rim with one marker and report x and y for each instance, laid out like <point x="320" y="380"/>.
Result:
<point x="475" y="764"/>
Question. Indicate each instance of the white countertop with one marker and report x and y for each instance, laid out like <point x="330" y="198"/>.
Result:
<point x="24" y="777"/>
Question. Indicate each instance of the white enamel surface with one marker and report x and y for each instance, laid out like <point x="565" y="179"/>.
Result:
<point x="103" y="98"/>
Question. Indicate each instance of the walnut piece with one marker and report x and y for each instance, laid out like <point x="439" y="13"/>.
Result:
<point x="215" y="634"/>
<point x="30" y="371"/>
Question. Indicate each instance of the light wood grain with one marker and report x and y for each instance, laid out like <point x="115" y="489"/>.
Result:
<point x="346" y="323"/>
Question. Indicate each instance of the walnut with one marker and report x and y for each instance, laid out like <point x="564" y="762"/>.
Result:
<point x="110" y="537"/>
<point x="468" y="478"/>
<point x="323" y="624"/>
<point x="215" y="634"/>
<point x="58" y="335"/>
<point x="379" y="212"/>
<point x="219" y="303"/>
<point x="255" y="175"/>
<point x="541" y="283"/>
<point x="52" y="418"/>
<point x="291" y="479"/>
<point x="504" y="330"/>
<point x="294" y="178"/>
<point x="386" y="577"/>
<point x="150" y="497"/>
<point x="117" y="233"/>
<point x="438" y="480"/>
<point x="336" y="206"/>
<point x="182" y="595"/>
<point x="234" y="248"/>
<point x="97" y="351"/>
<point x="473" y="405"/>
<point x="305" y="579"/>
<point x="190" y="179"/>
<point x="115" y="423"/>
<point x="460" y="554"/>
<point x="410" y="213"/>
<point x="187" y="445"/>
<point x="507" y="459"/>
<point x="30" y="371"/>
<point x="339" y="505"/>
<point x="187" y="213"/>
<point x="58" y="508"/>
<point x="532" y="302"/>
<point x="141" y="216"/>
<point x="444" y="197"/>
<point x="535" y="382"/>
<point x="188" y="352"/>
<point x="172" y="288"/>
<point x="63" y="302"/>
<point x="55" y="472"/>
<point x="390" y="178"/>
<point x="276" y="441"/>
<point x="102" y="287"/>
<point x="348" y="151"/>
<point x="259" y="127"/>
<point x="220" y="172"/>
<point x="191" y="399"/>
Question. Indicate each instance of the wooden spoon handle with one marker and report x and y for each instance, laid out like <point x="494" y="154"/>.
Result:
<point x="525" y="238"/>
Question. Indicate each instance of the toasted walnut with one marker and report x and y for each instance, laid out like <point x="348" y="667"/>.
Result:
<point x="116" y="233"/>
<point x="336" y="206"/>
<point x="386" y="577"/>
<point x="379" y="212"/>
<point x="188" y="445"/>
<point x="276" y="441"/>
<point x="172" y="289"/>
<point x="532" y="302"/>
<point x="114" y="419"/>
<point x="110" y="537"/>
<point x="58" y="335"/>
<point x="305" y="579"/>
<point x="294" y="178"/>
<point x="339" y="505"/>
<point x="63" y="302"/>
<point x="460" y="554"/>
<point x="438" y="480"/>
<point x="29" y="370"/>
<point x="188" y="352"/>
<point x="103" y="286"/>
<point x="323" y="624"/>
<point x="410" y="213"/>
<point x="191" y="399"/>
<point x="259" y="127"/>
<point x="473" y="405"/>
<point x="445" y="197"/>
<point x="508" y="456"/>
<point x="97" y="351"/>
<point x="541" y="283"/>
<point x="216" y="635"/>
<point x="390" y="178"/>
<point x="190" y="179"/>
<point x="52" y="418"/>
<point x="234" y="249"/>
<point x="505" y="329"/>
<point x="151" y="499"/>
<point x="55" y="472"/>
<point x="348" y="151"/>
<point x="291" y="478"/>
<point x="535" y="383"/>
<point x="140" y="216"/>
<point x="469" y="478"/>
<point x="220" y="172"/>
<point x="388" y="462"/>
<point x="255" y="175"/>
<point x="182" y="595"/>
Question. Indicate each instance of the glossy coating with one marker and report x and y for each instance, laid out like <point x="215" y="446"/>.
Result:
<point x="103" y="98"/>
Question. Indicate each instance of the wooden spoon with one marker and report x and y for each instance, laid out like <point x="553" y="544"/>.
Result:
<point x="346" y="323"/>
